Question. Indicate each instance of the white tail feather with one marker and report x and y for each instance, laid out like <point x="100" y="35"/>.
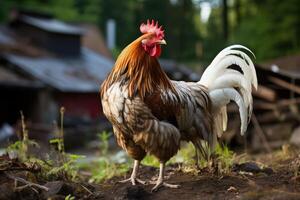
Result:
<point x="214" y="71"/>
<point x="248" y="61"/>
<point x="226" y="84"/>
<point x="221" y="97"/>
<point x="235" y="80"/>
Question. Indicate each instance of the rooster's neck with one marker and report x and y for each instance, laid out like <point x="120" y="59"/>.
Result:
<point x="141" y="72"/>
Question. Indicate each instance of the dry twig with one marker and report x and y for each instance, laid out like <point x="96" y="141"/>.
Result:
<point x="90" y="193"/>
<point x="27" y="183"/>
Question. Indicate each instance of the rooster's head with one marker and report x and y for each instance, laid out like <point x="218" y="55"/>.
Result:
<point x="153" y="38"/>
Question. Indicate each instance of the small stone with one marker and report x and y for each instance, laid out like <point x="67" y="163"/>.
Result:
<point x="54" y="188"/>
<point x="252" y="167"/>
<point x="248" y="167"/>
<point x="58" y="188"/>
<point x="232" y="189"/>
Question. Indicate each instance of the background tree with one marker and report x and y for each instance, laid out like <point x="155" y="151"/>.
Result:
<point x="270" y="27"/>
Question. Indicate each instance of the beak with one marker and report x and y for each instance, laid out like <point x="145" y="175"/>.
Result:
<point x="162" y="42"/>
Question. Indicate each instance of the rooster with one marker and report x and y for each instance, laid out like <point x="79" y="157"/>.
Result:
<point x="152" y="114"/>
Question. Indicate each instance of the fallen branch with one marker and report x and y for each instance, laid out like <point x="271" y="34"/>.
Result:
<point x="27" y="183"/>
<point x="90" y="193"/>
<point x="15" y="169"/>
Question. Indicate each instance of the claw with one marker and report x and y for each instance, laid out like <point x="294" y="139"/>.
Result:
<point x="160" y="181"/>
<point x="133" y="181"/>
<point x="160" y="184"/>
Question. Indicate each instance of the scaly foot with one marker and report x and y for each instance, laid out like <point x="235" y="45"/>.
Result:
<point x="161" y="183"/>
<point x="133" y="181"/>
<point x="133" y="178"/>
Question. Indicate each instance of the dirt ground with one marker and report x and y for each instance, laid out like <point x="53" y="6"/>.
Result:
<point x="277" y="179"/>
<point x="271" y="184"/>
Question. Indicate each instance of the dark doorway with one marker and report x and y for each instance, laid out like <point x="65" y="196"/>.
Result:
<point x="15" y="99"/>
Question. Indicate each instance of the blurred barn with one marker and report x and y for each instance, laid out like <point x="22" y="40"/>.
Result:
<point x="46" y="64"/>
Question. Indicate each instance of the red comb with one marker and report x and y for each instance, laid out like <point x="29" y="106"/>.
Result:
<point x="152" y="28"/>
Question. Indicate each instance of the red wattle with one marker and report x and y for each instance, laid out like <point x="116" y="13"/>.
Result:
<point x="155" y="51"/>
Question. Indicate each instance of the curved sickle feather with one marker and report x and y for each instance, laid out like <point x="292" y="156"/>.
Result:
<point x="221" y="97"/>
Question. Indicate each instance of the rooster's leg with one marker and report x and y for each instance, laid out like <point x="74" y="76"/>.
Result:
<point x="197" y="160"/>
<point x="160" y="181"/>
<point x="133" y="178"/>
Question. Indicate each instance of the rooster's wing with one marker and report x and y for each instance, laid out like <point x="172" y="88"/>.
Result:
<point x="140" y="122"/>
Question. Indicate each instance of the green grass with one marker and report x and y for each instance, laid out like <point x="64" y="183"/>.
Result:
<point x="224" y="158"/>
<point x="185" y="155"/>
<point x="104" y="167"/>
<point x="64" y="165"/>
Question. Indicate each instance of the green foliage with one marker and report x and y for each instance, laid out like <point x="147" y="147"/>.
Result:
<point x="20" y="148"/>
<point x="181" y="36"/>
<point x="224" y="158"/>
<point x="214" y="40"/>
<point x="104" y="145"/>
<point x="150" y="160"/>
<point x="271" y="29"/>
<point x="63" y="165"/>
<point x="68" y="169"/>
<point x="17" y="146"/>
<point x="123" y="12"/>
<point x="58" y="139"/>
<point x="105" y="168"/>
<point x="185" y="155"/>
<point x="69" y="197"/>
<point x="58" y="142"/>
<point x="66" y="164"/>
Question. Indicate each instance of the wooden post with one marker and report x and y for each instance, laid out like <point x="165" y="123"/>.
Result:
<point x="260" y="132"/>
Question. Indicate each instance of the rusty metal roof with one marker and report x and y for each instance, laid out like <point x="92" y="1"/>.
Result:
<point x="82" y="74"/>
<point x="52" y="25"/>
